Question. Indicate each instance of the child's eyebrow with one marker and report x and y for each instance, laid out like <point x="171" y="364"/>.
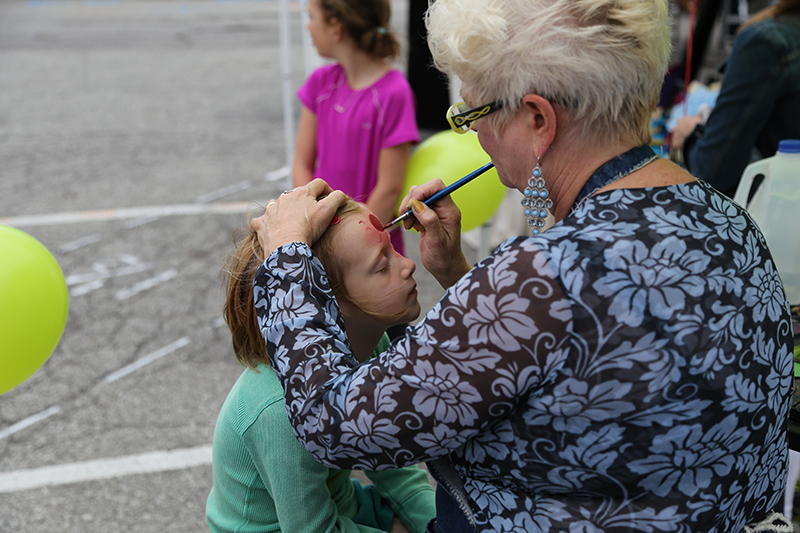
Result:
<point x="372" y="256"/>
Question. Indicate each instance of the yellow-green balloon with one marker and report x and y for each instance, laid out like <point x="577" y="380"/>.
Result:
<point x="33" y="306"/>
<point x="450" y="156"/>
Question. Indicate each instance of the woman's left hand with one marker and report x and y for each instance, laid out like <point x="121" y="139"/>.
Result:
<point x="683" y="128"/>
<point x="298" y="215"/>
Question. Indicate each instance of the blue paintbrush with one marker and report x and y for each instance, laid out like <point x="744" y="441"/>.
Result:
<point x="444" y="192"/>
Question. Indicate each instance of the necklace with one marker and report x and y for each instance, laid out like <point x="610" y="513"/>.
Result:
<point x="614" y="170"/>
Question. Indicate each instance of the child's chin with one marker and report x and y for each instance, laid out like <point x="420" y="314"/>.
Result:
<point x="414" y="314"/>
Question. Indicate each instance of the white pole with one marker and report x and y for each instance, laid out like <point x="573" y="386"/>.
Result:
<point x="286" y="77"/>
<point x="310" y="58"/>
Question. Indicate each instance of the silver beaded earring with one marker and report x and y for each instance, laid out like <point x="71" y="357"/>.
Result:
<point x="536" y="202"/>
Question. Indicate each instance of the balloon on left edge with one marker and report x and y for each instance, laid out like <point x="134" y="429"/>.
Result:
<point x="33" y="306"/>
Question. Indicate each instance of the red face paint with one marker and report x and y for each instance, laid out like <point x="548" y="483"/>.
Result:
<point x="376" y="222"/>
<point x="380" y="235"/>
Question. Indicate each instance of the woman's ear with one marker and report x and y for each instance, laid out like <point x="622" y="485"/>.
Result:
<point x="542" y="121"/>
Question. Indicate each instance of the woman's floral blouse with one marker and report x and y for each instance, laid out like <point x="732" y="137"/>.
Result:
<point x="629" y="369"/>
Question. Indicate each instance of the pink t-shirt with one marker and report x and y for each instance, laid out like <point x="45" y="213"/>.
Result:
<point x="353" y="127"/>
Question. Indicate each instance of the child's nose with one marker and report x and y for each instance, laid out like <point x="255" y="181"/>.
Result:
<point x="409" y="267"/>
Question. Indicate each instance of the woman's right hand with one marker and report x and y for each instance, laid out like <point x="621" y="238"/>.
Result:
<point x="440" y="233"/>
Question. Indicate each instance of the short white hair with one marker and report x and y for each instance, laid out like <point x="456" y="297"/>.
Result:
<point x="604" y="61"/>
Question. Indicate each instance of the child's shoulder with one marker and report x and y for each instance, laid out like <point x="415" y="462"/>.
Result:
<point x="394" y="82"/>
<point x="394" y="75"/>
<point x="258" y="387"/>
<point x="255" y="396"/>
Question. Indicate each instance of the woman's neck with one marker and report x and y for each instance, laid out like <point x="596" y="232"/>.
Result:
<point x="574" y="170"/>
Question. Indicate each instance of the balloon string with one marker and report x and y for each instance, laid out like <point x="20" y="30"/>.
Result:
<point x="689" y="42"/>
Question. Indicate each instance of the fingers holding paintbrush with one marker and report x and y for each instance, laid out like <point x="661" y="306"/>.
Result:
<point x="439" y="225"/>
<point x="440" y="193"/>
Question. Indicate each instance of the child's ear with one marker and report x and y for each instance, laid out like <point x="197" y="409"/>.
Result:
<point x="336" y="28"/>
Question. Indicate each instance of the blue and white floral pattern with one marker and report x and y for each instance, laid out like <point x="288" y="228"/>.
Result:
<point x="627" y="370"/>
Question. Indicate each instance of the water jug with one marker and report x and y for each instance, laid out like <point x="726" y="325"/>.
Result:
<point x="775" y="207"/>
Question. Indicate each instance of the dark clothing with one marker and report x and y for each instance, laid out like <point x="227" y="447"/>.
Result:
<point x="758" y="105"/>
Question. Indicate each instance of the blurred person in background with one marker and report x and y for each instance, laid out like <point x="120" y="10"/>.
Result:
<point x="758" y="104"/>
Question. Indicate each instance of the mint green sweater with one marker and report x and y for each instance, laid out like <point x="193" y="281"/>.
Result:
<point x="264" y="480"/>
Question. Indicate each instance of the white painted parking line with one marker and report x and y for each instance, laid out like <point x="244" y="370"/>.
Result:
<point x="143" y="463"/>
<point x="31" y="420"/>
<point x="275" y="175"/>
<point x="146" y="284"/>
<point x="86" y="288"/>
<point x="101" y="271"/>
<point x="147" y="359"/>
<point x="125" y="213"/>
<point x="140" y="222"/>
<point x="80" y="243"/>
<point x="223" y="192"/>
<point x="119" y="265"/>
<point x="203" y="199"/>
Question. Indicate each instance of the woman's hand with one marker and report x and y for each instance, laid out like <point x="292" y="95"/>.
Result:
<point x="440" y="229"/>
<point x="298" y="215"/>
<point x="683" y="128"/>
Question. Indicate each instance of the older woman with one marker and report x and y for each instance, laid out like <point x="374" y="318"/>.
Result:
<point x="628" y="369"/>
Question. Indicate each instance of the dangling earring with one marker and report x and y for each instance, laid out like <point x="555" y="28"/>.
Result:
<point x="537" y="200"/>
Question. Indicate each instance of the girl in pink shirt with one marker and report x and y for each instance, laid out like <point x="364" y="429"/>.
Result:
<point x="357" y="123"/>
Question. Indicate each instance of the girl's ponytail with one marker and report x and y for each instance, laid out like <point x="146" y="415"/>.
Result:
<point x="381" y="42"/>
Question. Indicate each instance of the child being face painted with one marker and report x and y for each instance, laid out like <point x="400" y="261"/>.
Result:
<point x="373" y="284"/>
<point x="375" y="289"/>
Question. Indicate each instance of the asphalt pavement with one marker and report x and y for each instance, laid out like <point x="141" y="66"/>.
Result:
<point x="135" y="136"/>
